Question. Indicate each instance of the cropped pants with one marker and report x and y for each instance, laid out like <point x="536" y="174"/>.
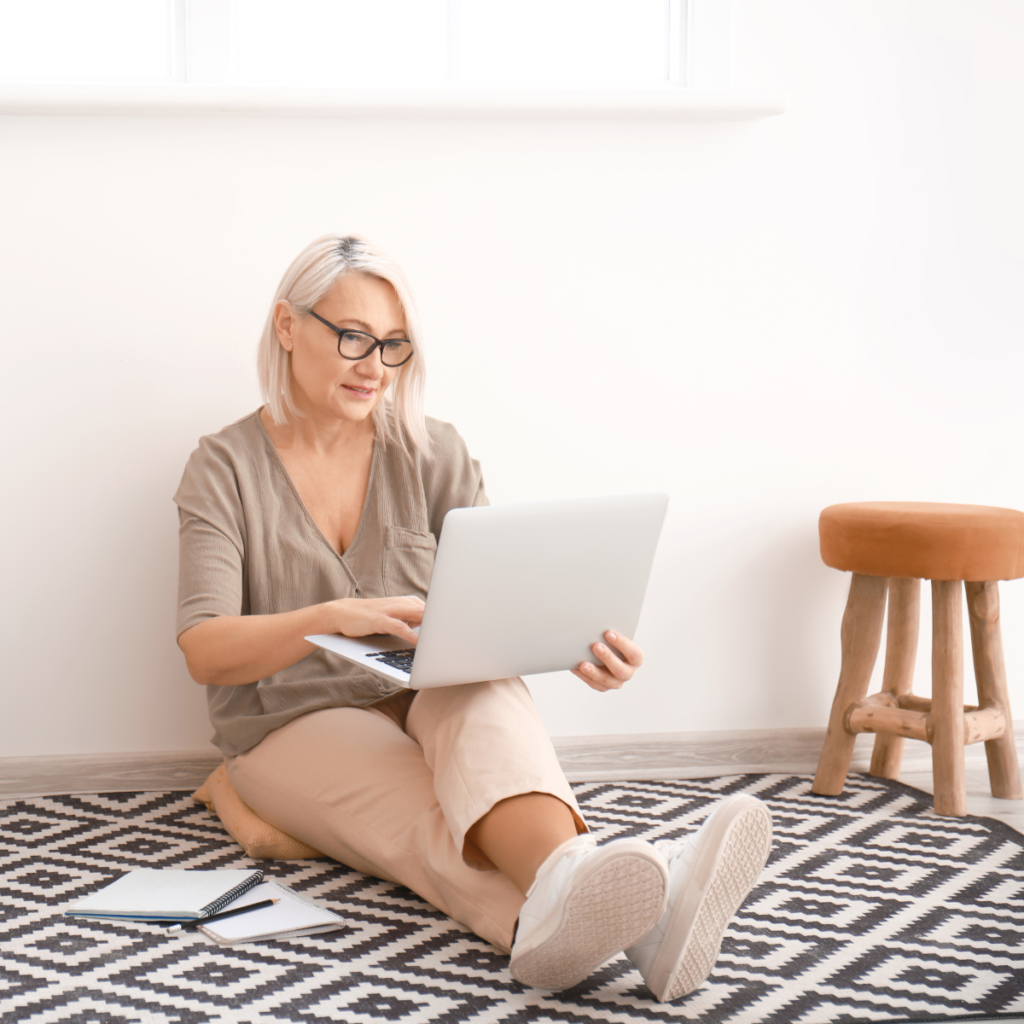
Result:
<point x="393" y="788"/>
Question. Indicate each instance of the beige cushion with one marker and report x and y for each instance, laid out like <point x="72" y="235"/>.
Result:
<point x="259" y="839"/>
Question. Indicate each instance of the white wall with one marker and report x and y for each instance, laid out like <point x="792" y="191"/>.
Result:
<point x="760" y="318"/>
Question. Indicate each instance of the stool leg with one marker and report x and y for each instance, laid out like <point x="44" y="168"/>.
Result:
<point x="990" y="671"/>
<point x="901" y="633"/>
<point x="861" y="637"/>
<point x="948" y="699"/>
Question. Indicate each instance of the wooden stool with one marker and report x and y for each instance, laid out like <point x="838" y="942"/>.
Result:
<point x="890" y="547"/>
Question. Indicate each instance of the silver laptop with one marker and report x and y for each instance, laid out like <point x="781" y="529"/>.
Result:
<point x="522" y="589"/>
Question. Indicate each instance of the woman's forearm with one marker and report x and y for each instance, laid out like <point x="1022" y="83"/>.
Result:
<point x="231" y="650"/>
<point x="234" y="649"/>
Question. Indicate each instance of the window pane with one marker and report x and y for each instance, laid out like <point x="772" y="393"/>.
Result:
<point x="564" y="42"/>
<point x="340" y="42"/>
<point x="76" y="40"/>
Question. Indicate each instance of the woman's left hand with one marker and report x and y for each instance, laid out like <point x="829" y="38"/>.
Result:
<point x="616" y="661"/>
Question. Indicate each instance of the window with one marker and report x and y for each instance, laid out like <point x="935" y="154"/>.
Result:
<point x="132" y="41"/>
<point x="368" y="43"/>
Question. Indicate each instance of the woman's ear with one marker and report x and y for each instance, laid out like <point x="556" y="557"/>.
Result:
<point x="285" y="321"/>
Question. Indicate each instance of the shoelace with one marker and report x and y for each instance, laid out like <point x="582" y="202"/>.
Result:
<point x="579" y="848"/>
<point x="673" y="849"/>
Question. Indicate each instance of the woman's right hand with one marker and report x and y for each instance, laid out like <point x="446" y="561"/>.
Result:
<point x="232" y="650"/>
<point x="362" y="616"/>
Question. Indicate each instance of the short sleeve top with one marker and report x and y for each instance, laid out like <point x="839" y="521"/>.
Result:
<point x="248" y="546"/>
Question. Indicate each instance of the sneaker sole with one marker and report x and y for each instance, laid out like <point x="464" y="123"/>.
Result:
<point x="615" y="902"/>
<point x="730" y="862"/>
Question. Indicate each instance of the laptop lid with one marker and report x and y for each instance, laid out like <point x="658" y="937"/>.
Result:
<point x="527" y="588"/>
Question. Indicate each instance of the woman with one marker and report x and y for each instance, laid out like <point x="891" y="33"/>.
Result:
<point x="319" y="513"/>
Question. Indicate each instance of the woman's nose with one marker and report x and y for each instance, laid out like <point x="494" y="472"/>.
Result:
<point x="373" y="365"/>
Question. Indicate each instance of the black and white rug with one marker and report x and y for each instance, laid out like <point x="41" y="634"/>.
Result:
<point x="871" y="908"/>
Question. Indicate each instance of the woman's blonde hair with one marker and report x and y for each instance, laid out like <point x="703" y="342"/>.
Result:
<point x="313" y="273"/>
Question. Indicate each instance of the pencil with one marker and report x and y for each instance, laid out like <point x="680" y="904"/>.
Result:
<point x="191" y="925"/>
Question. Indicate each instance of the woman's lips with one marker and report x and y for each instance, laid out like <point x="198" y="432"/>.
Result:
<point x="364" y="393"/>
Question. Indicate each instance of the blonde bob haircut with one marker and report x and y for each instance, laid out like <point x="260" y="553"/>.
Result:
<point x="313" y="273"/>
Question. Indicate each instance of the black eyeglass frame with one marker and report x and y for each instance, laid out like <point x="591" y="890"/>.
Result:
<point x="376" y="343"/>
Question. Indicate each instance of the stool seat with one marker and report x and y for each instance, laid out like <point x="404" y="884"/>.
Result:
<point x="924" y="540"/>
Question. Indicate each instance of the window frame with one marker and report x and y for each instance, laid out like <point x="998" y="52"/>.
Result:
<point x="699" y="45"/>
<point x="698" y="84"/>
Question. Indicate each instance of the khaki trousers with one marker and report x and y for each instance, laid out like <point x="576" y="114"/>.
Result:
<point x="392" y="789"/>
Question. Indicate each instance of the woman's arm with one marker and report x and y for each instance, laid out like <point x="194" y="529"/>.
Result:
<point x="231" y="650"/>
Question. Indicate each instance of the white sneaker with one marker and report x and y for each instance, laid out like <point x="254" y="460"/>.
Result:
<point x="587" y="903"/>
<point x="710" y="874"/>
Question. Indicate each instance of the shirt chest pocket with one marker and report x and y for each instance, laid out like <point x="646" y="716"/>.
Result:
<point x="408" y="561"/>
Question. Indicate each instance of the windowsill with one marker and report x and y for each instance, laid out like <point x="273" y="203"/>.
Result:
<point x="669" y="103"/>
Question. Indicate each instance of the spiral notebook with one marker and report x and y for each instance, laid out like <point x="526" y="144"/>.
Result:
<point x="291" y="916"/>
<point x="157" y="894"/>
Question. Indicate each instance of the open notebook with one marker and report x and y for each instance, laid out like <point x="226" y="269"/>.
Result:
<point x="153" y="894"/>
<point x="294" y="915"/>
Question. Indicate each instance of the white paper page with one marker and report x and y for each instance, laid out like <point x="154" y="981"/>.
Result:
<point x="292" y="914"/>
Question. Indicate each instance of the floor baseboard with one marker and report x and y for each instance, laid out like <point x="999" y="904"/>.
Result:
<point x="697" y="755"/>
<point x="105" y="773"/>
<point x="631" y="757"/>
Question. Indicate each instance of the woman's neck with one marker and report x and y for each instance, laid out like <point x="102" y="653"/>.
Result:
<point x="316" y="434"/>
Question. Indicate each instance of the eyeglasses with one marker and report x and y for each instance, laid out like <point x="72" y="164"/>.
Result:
<point x="358" y="345"/>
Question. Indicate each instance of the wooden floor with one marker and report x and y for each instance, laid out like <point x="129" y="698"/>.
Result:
<point x="979" y="800"/>
<point x="583" y="758"/>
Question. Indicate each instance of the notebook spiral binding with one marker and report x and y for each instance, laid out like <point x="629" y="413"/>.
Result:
<point x="229" y="897"/>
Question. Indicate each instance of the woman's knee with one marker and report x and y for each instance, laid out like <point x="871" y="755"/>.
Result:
<point x="496" y="696"/>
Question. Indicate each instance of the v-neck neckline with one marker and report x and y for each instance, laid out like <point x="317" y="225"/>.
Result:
<point x="374" y="458"/>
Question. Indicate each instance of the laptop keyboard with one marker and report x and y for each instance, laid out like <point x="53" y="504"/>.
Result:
<point x="402" y="660"/>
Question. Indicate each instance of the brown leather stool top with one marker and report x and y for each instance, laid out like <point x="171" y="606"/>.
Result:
<point x="924" y="540"/>
<point x="889" y="547"/>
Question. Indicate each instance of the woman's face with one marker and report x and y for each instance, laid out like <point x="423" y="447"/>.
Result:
<point x="323" y="383"/>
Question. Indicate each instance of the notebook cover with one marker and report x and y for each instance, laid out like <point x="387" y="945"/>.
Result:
<point x="150" y="894"/>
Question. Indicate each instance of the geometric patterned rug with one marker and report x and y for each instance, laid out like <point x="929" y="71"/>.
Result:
<point x="872" y="908"/>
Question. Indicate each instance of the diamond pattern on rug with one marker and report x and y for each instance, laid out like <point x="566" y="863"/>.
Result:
<point x="871" y="908"/>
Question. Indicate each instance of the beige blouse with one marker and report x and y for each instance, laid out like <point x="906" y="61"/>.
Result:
<point x="248" y="546"/>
